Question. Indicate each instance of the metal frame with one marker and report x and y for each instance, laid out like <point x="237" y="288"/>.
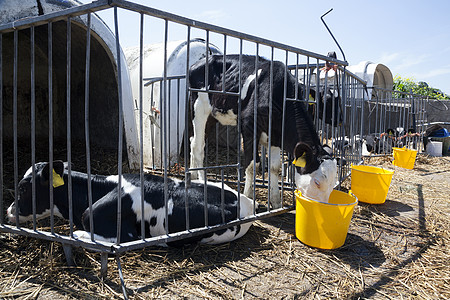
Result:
<point x="352" y="90"/>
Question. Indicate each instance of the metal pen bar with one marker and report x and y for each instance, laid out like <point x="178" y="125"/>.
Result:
<point x="120" y="129"/>
<point x="239" y="112"/>
<point x="86" y="123"/>
<point x="141" y="121"/>
<point x="33" y="125"/>
<point x="69" y="122"/>
<point x="134" y="245"/>
<point x="168" y="107"/>
<point x="153" y="80"/>
<point x="187" y="174"/>
<point x="283" y="117"/>
<point x="255" y="124"/>
<point x="269" y="146"/>
<point x="164" y="122"/>
<point x="15" y="149"/>
<point x="1" y="129"/>
<point x="205" y="186"/>
<point x="220" y="30"/>
<point x="50" y="124"/>
<point x="151" y="128"/>
<point x="207" y="62"/>
<point x="55" y="16"/>
<point x="214" y="92"/>
<point x="44" y="235"/>
<point x="222" y="196"/>
<point x="178" y="123"/>
<point x="205" y="198"/>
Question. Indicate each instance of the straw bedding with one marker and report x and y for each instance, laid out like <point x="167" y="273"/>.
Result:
<point x="400" y="249"/>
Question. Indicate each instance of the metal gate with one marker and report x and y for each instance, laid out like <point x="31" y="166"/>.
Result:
<point x="44" y="119"/>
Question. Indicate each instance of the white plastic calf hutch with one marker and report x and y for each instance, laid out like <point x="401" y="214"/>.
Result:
<point x="102" y="73"/>
<point x="153" y="76"/>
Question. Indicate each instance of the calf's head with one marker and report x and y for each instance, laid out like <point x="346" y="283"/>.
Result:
<point x="25" y="195"/>
<point x="330" y="102"/>
<point x="315" y="172"/>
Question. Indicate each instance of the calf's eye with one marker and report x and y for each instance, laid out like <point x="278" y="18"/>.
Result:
<point x="317" y="183"/>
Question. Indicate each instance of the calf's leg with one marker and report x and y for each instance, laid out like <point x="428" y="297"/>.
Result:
<point x="202" y="110"/>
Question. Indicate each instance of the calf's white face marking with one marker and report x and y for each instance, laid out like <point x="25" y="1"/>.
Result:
<point x="22" y="219"/>
<point x="319" y="184"/>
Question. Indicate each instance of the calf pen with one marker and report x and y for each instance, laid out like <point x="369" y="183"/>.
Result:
<point x="55" y="104"/>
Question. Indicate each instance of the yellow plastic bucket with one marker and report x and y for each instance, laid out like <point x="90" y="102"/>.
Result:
<point x="371" y="184"/>
<point x="404" y="158"/>
<point x="324" y="225"/>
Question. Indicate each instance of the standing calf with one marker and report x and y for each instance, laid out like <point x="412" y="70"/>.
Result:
<point x="315" y="169"/>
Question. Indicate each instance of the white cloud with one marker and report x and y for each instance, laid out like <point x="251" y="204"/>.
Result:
<point x="387" y="58"/>
<point x="435" y="72"/>
<point x="212" y="16"/>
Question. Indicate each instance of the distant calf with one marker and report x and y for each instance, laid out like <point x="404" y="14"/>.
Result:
<point x="261" y="84"/>
<point x="105" y="198"/>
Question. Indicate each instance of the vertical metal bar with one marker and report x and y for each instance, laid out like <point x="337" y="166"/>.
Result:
<point x="103" y="265"/>
<point x="178" y="124"/>
<point x="33" y="127"/>
<point x="50" y="123"/>
<point x="86" y="122"/>
<point x="187" y="174"/>
<point x="316" y="114"/>
<point x="164" y="123"/>
<point x="122" y="282"/>
<point x="269" y="146"/>
<point x="69" y="122"/>
<point x="224" y="65"/>
<point x="120" y="129"/>
<point x="223" y="88"/>
<point x="255" y="122"/>
<point x="141" y="121"/>
<point x="152" y="126"/>
<point x="323" y="102"/>
<point x="205" y="189"/>
<point x="222" y="195"/>
<point x="205" y="199"/>
<point x="68" y="253"/>
<point x="15" y="149"/>
<point x="207" y="62"/>
<point x="1" y="128"/>
<point x="283" y="118"/>
<point x="239" y="173"/>
<point x="168" y="106"/>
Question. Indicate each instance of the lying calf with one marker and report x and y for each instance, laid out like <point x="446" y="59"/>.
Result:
<point x="105" y="198"/>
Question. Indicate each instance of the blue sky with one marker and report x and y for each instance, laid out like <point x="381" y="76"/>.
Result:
<point x="412" y="38"/>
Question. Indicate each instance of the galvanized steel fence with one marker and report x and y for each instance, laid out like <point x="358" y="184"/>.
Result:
<point x="41" y="106"/>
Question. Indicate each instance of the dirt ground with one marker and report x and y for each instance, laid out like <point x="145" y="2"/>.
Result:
<point x="396" y="250"/>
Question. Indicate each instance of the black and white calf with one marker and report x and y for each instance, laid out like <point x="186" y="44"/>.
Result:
<point x="315" y="169"/>
<point x="105" y="198"/>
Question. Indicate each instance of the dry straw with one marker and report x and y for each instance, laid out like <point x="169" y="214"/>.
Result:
<point x="400" y="249"/>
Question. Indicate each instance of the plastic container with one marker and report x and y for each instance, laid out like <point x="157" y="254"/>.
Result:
<point x="445" y="144"/>
<point x="404" y="158"/>
<point x="434" y="148"/>
<point x="324" y="225"/>
<point x="371" y="184"/>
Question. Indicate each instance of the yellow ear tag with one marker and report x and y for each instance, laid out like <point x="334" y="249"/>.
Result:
<point x="57" y="179"/>
<point x="300" y="162"/>
<point x="311" y="99"/>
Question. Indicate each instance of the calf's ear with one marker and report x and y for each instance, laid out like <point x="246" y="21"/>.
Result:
<point x="301" y="154"/>
<point x="57" y="173"/>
